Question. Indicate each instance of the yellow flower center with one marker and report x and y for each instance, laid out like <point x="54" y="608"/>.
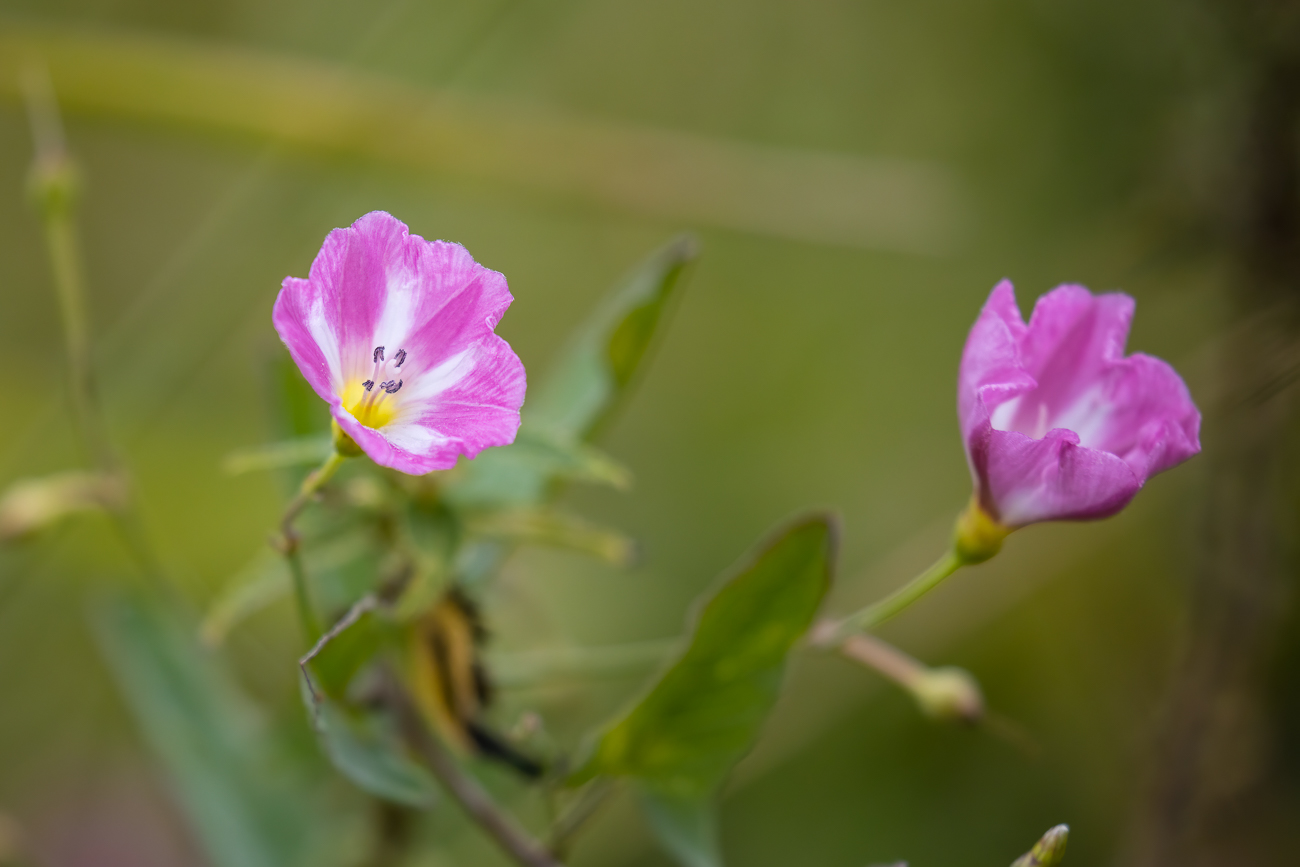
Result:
<point x="374" y="410"/>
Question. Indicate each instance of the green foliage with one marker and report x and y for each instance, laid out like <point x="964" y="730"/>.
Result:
<point x="360" y="738"/>
<point x="686" y="827"/>
<point x="705" y="712"/>
<point x="582" y="393"/>
<point x="594" y="376"/>
<point x="366" y="747"/>
<point x="248" y="804"/>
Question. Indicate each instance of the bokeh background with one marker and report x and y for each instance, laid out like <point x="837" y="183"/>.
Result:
<point x="860" y="174"/>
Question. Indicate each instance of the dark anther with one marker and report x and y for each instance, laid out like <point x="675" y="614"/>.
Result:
<point x="379" y="354"/>
<point x="369" y="384"/>
<point x="392" y="387"/>
<point x="400" y="357"/>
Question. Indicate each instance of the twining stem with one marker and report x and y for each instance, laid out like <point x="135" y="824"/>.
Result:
<point x="833" y="635"/>
<point x="288" y="543"/>
<point x="521" y="846"/>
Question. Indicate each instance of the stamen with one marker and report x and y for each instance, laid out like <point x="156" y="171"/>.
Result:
<point x="393" y="388"/>
<point x="379" y="354"/>
<point x="400" y="357"/>
<point x="369" y="384"/>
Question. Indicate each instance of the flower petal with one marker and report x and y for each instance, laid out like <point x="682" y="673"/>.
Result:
<point x="1051" y="478"/>
<point x="304" y="323"/>
<point x="1056" y="422"/>
<point x="478" y="407"/>
<point x="375" y="284"/>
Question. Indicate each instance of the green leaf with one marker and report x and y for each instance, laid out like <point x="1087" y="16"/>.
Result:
<point x="705" y="711"/>
<point x="363" y="743"/>
<point x="687" y="828"/>
<point x="246" y="802"/>
<point x="591" y="380"/>
<point x="366" y="747"/>
<point x="594" y="375"/>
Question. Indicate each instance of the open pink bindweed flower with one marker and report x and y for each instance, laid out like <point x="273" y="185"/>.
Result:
<point x="1058" y="423"/>
<point x="396" y="333"/>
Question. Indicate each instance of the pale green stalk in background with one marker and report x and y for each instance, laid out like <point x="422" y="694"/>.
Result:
<point x="53" y="187"/>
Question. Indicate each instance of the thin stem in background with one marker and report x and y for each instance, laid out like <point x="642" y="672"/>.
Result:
<point x="54" y="189"/>
<point x="288" y="543"/>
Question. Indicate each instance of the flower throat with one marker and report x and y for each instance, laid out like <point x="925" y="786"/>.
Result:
<point x="369" y="401"/>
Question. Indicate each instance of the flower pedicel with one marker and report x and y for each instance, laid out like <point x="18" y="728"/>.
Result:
<point x="396" y="334"/>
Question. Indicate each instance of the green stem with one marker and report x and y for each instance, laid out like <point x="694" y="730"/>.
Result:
<point x="53" y="186"/>
<point x="877" y="613"/>
<point x="289" y="543"/>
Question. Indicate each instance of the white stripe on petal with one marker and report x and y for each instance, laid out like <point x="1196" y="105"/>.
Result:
<point x="414" y="438"/>
<point x="318" y="325"/>
<point x="394" y="324"/>
<point x="431" y="383"/>
<point x="1087" y="417"/>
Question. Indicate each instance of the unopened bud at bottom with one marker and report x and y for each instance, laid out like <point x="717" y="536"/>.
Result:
<point x="1049" y="851"/>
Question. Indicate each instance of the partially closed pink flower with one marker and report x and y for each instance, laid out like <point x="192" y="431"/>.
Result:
<point x="396" y="334"/>
<point x="1058" y="423"/>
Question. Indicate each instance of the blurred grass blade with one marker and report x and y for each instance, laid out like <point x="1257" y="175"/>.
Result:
<point x="260" y="583"/>
<point x="687" y="829"/>
<point x="306" y="451"/>
<point x="895" y="204"/>
<point x="264" y="580"/>
<point x="594" y="375"/>
<point x="704" y="713"/>
<point x="554" y="528"/>
<point x="30" y="505"/>
<point x="1049" y="851"/>
<point x="242" y="796"/>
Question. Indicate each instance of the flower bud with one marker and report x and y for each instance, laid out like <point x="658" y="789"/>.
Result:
<point x="1048" y="851"/>
<point x="977" y="536"/>
<point x="948" y="694"/>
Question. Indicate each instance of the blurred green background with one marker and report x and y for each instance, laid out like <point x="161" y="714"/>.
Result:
<point x="888" y="164"/>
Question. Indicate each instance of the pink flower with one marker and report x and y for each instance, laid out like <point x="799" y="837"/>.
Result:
<point x="396" y="333"/>
<point x="1058" y="423"/>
